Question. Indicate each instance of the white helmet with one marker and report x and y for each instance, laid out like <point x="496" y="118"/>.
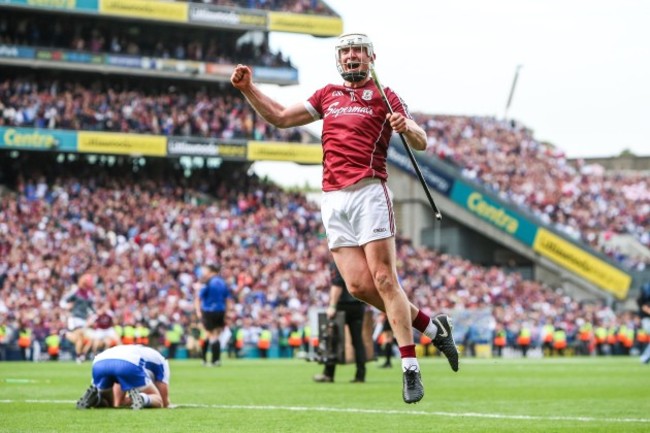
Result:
<point x="348" y="40"/>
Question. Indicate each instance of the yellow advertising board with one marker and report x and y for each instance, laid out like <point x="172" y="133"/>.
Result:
<point x="582" y="263"/>
<point x="278" y="151"/>
<point x="305" y="24"/>
<point x="148" y="9"/>
<point x="121" y="144"/>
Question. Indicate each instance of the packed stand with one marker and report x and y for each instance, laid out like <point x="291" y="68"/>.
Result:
<point x="129" y="106"/>
<point x="311" y="7"/>
<point x="142" y="238"/>
<point x="99" y="36"/>
<point x="585" y="202"/>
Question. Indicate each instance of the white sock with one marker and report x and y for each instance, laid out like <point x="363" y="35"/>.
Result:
<point x="408" y="363"/>
<point x="147" y="399"/>
<point x="432" y="330"/>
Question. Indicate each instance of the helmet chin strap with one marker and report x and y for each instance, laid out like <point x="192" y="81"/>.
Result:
<point x="353" y="76"/>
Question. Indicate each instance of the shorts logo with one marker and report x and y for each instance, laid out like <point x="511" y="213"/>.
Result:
<point x="380" y="230"/>
<point x="367" y="95"/>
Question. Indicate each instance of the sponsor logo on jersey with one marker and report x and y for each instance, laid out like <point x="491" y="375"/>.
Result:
<point x="336" y="111"/>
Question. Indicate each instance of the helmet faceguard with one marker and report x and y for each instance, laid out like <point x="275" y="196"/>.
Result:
<point x="355" y="67"/>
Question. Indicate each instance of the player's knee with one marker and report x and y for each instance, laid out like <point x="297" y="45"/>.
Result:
<point x="384" y="282"/>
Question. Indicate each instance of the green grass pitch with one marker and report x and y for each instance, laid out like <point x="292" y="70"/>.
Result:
<point x="487" y="395"/>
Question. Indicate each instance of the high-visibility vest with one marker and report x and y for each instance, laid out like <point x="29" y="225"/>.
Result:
<point x="586" y="332"/>
<point x="142" y="335"/>
<point x="424" y="340"/>
<point x="625" y="337"/>
<point x="628" y="340"/>
<point x="264" y="340"/>
<point x="3" y="333"/>
<point x="239" y="339"/>
<point x="128" y="335"/>
<point x="642" y="337"/>
<point x="25" y="338"/>
<point x="174" y="335"/>
<point x="559" y="339"/>
<point x="611" y="335"/>
<point x="547" y="333"/>
<point x="53" y="342"/>
<point x="294" y="339"/>
<point x="524" y="337"/>
<point x="601" y="335"/>
<point x="306" y="334"/>
<point x="500" y="339"/>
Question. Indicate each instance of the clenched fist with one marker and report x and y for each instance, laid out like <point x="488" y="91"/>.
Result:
<point x="242" y="77"/>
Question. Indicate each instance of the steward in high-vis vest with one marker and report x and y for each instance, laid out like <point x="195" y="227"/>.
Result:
<point x="4" y="340"/>
<point x="548" y="331"/>
<point x="25" y="341"/>
<point x="295" y="340"/>
<point x="585" y="338"/>
<point x="523" y="340"/>
<point x="500" y="339"/>
<point x="306" y="337"/>
<point x="600" y="335"/>
<point x="53" y="344"/>
<point x="239" y="342"/>
<point x="559" y="341"/>
<point x="142" y="334"/>
<point x="264" y="343"/>
<point x="128" y="334"/>
<point x="625" y="338"/>
<point x="173" y="338"/>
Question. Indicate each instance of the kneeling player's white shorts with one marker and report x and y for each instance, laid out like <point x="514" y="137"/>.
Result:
<point x="358" y="214"/>
<point x="109" y="371"/>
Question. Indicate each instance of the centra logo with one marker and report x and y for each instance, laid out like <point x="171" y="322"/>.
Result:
<point x="380" y="230"/>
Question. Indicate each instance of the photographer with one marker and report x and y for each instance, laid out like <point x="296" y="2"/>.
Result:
<point x="341" y="300"/>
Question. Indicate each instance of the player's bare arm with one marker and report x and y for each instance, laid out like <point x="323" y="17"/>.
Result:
<point x="412" y="132"/>
<point x="272" y="111"/>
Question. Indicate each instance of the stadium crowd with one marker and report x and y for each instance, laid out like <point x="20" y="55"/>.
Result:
<point x="117" y="106"/>
<point x="584" y="202"/>
<point x="144" y="234"/>
<point x="98" y="36"/>
<point x="315" y="7"/>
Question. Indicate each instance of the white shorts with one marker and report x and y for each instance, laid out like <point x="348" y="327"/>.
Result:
<point x="76" y="323"/>
<point x="358" y="214"/>
<point x="103" y="334"/>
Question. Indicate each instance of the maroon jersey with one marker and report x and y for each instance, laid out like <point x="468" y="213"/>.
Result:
<point x="104" y="321"/>
<point x="355" y="132"/>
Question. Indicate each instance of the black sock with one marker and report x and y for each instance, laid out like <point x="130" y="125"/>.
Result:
<point x="204" y="351"/>
<point x="216" y="351"/>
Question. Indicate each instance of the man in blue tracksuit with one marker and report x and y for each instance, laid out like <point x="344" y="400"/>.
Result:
<point x="212" y="303"/>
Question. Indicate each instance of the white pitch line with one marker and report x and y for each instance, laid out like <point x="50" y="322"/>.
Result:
<point x="586" y="419"/>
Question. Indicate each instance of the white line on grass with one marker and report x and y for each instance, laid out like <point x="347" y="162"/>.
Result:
<point x="378" y="412"/>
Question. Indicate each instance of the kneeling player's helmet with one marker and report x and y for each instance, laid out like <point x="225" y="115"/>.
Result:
<point x="354" y="71"/>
